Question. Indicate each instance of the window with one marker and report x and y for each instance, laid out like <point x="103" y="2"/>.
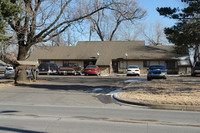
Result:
<point x="122" y="64"/>
<point x="146" y="63"/>
<point x="65" y="63"/>
<point x="170" y="64"/>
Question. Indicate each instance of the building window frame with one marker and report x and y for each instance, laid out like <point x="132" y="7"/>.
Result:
<point x="146" y="63"/>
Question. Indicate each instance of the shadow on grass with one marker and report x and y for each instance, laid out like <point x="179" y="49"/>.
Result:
<point x="83" y="88"/>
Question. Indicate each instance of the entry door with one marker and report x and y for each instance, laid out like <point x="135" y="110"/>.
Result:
<point x="115" y="65"/>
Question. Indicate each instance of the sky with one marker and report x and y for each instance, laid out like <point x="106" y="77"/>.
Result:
<point x="152" y="15"/>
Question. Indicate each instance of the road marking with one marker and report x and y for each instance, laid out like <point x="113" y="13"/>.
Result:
<point x="139" y="121"/>
<point x="154" y="122"/>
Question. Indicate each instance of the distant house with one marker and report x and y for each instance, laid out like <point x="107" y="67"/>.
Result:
<point x="110" y="56"/>
<point x="184" y="65"/>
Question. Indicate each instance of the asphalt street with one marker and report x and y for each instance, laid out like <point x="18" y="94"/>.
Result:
<point x="79" y="104"/>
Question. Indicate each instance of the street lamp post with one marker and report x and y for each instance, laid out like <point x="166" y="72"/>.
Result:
<point x="98" y="54"/>
<point x="126" y="60"/>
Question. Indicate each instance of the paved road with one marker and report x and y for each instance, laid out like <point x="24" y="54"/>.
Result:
<point x="81" y="105"/>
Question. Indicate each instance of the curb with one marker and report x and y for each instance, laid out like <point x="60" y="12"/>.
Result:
<point x="155" y="106"/>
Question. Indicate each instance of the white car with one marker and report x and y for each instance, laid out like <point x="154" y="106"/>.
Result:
<point x="133" y="70"/>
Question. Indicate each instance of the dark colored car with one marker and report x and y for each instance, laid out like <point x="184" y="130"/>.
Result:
<point x="48" y="68"/>
<point x="157" y="72"/>
<point x="92" y="70"/>
<point x="196" y="69"/>
<point x="70" y="68"/>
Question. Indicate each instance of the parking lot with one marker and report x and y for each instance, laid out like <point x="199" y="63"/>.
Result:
<point x="142" y="77"/>
<point x="175" y="90"/>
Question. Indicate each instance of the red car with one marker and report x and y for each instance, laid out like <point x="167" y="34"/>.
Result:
<point x="71" y="68"/>
<point x="92" y="69"/>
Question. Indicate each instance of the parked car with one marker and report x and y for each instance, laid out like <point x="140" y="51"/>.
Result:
<point x="70" y="68"/>
<point x="133" y="70"/>
<point x="92" y="70"/>
<point x="2" y="68"/>
<point x="196" y="69"/>
<point x="157" y="72"/>
<point x="10" y="73"/>
<point x="48" y="68"/>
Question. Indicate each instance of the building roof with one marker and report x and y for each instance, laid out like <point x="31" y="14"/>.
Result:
<point x="26" y="63"/>
<point x="105" y="51"/>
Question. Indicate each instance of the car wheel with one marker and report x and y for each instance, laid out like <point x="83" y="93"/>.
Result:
<point x="80" y="73"/>
<point x="149" y="79"/>
<point x="75" y="73"/>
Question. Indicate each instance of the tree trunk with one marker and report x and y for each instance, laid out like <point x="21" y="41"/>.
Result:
<point x="196" y="53"/>
<point x="22" y="76"/>
<point x="22" y="53"/>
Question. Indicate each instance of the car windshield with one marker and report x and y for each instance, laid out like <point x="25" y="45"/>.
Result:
<point x="156" y="67"/>
<point x="91" y="67"/>
<point x="133" y="67"/>
<point x="69" y="64"/>
<point x="9" y="68"/>
<point x="197" y="64"/>
<point x="43" y="66"/>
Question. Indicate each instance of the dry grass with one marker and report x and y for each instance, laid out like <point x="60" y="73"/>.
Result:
<point x="164" y="92"/>
<point x="6" y="83"/>
<point x="10" y="83"/>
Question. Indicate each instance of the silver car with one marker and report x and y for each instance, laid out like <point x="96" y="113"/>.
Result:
<point x="10" y="73"/>
<point x="157" y="72"/>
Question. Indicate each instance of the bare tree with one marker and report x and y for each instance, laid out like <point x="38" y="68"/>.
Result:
<point x="106" y="22"/>
<point x="154" y="33"/>
<point x="57" y="40"/>
<point x="129" y="32"/>
<point x="42" y="20"/>
<point x="8" y="50"/>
